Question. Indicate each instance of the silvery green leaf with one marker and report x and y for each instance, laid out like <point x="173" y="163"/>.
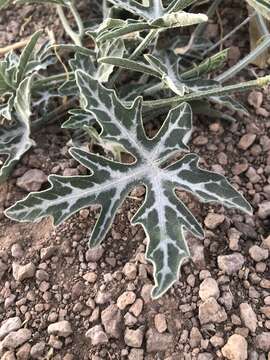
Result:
<point x="179" y="19"/>
<point x="25" y="57"/>
<point x="114" y="48"/>
<point x="154" y="9"/>
<point x="163" y="215"/>
<point x="15" y="137"/>
<point x="81" y="61"/>
<point x="261" y="6"/>
<point x="79" y="119"/>
<point x="169" y="73"/>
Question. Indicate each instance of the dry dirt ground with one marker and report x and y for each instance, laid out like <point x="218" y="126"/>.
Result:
<point x="63" y="301"/>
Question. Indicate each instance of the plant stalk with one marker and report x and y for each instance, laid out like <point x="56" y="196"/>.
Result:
<point x="76" y="37"/>
<point x="176" y="100"/>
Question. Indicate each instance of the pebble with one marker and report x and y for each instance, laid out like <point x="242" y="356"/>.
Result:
<point x="257" y="253"/>
<point x="22" y="272"/>
<point x="16" y="338"/>
<point x="134" y="338"/>
<point x="248" y="316"/>
<point x="37" y="350"/>
<point x="90" y="277"/>
<point x="266" y="243"/>
<point x="262" y="341"/>
<point x="127" y="298"/>
<point x="211" y="312"/>
<point x="97" y="335"/>
<point x="209" y="288"/>
<point x="236" y="348"/>
<point x="130" y="271"/>
<point x="136" y="354"/>
<point x="60" y="328"/>
<point x="137" y="307"/>
<point x="160" y="323"/>
<point x="16" y="251"/>
<point x="195" y="337"/>
<point x="232" y="263"/>
<point x="264" y="210"/>
<point x="158" y="342"/>
<point x="246" y="141"/>
<point x="32" y="180"/>
<point x="212" y="220"/>
<point x="111" y="319"/>
<point x="11" y="324"/>
<point x="95" y="254"/>
<point x="255" y="99"/>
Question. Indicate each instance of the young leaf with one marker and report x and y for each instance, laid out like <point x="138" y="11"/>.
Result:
<point x="15" y="138"/>
<point x="163" y="215"/>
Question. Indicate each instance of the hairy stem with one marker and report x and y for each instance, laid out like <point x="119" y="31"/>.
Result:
<point x="76" y="37"/>
<point x="176" y="100"/>
<point x="137" y="52"/>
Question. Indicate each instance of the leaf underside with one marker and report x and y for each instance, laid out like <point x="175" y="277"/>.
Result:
<point x="164" y="217"/>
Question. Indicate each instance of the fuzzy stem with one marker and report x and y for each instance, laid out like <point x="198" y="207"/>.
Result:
<point x="137" y="52"/>
<point x="174" y="101"/>
<point x="76" y="37"/>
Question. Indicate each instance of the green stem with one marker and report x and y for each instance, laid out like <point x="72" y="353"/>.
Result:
<point x="137" y="52"/>
<point x="76" y="37"/>
<point x="51" y="80"/>
<point x="176" y="100"/>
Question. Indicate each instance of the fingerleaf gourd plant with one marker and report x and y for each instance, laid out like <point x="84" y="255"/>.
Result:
<point x="168" y="84"/>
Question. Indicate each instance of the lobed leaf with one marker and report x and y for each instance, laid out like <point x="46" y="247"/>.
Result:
<point x="163" y="215"/>
<point x="15" y="138"/>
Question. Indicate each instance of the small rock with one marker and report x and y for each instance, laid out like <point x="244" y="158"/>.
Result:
<point x="246" y="141"/>
<point x="263" y="341"/>
<point x="146" y="293"/>
<point x="137" y="307"/>
<point x="264" y="210"/>
<point x="255" y="99"/>
<point x="266" y="243"/>
<point x="160" y="323"/>
<point x="248" y="316"/>
<point x="97" y="335"/>
<point x="95" y="254"/>
<point x="136" y="354"/>
<point x="22" y="272"/>
<point x="217" y="341"/>
<point x="236" y="348"/>
<point x="232" y="263"/>
<point x="112" y="321"/>
<point x="234" y="237"/>
<point x="16" y="338"/>
<point x="48" y="252"/>
<point x="61" y="328"/>
<point x="195" y="337"/>
<point x="37" y="350"/>
<point x="103" y="297"/>
<point x="130" y="271"/>
<point x="16" y="251"/>
<point x="23" y="352"/>
<point x="134" y="338"/>
<point x="211" y="312"/>
<point x="90" y="277"/>
<point x="158" y="342"/>
<point x="32" y="180"/>
<point x="127" y="298"/>
<point x="209" y="288"/>
<point x="258" y="254"/>
<point x="212" y="220"/>
<point x="11" y="324"/>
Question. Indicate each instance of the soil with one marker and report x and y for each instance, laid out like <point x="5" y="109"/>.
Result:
<point x="60" y="291"/>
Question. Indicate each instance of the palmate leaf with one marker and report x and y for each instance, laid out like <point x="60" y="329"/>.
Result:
<point x="163" y="215"/>
<point x="15" y="138"/>
<point x="154" y="10"/>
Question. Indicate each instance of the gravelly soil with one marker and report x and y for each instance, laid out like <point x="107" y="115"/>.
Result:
<point x="64" y="301"/>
